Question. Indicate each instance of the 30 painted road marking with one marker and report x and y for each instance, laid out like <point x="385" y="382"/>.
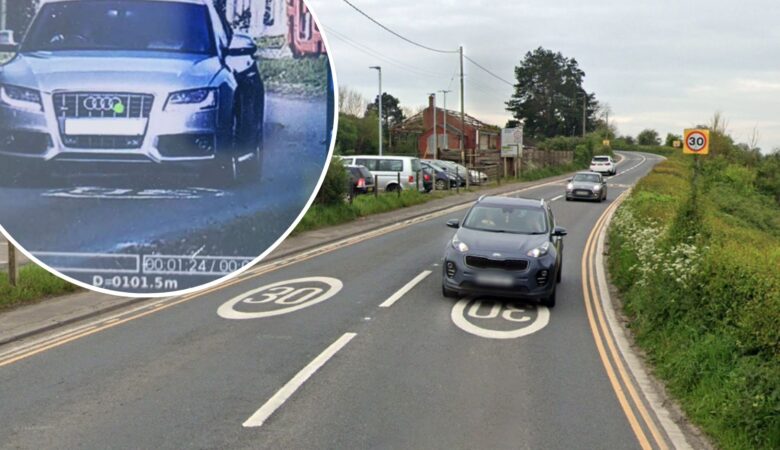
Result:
<point x="404" y="290"/>
<point x="493" y="319"/>
<point x="282" y="395"/>
<point x="280" y="298"/>
<point x="90" y="192"/>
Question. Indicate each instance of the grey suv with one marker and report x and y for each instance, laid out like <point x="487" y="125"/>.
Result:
<point x="506" y="247"/>
<point x="160" y="82"/>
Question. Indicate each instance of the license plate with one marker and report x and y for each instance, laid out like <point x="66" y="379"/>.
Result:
<point x="105" y="126"/>
<point x="496" y="280"/>
<point x="582" y="193"/>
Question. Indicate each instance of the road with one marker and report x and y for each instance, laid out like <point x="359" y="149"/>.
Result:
<point x="344" y="372"/>
<point x="177" y="215"/>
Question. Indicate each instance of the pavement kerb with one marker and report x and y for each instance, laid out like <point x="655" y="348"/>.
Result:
<point x="371" y="223"/>
<point x="122" y="302"/>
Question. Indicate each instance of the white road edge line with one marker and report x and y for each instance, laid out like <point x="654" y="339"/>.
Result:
<point x="555" y="199"/>
<point x="654" y="398"/>
<point x="401" y="292"/>
<point x="282" y="395"/>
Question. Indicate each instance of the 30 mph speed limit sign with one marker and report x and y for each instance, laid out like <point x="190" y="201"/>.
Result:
<point x="697" y="142"/>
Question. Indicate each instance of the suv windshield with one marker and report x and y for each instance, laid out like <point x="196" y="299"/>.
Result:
<point x="507" y="219"/>
<point x="122" y="25"/>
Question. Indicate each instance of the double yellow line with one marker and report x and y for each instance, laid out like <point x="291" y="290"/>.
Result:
<point x="618" y="375"/>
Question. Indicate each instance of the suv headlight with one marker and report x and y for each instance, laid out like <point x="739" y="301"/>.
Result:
<point x="459" y="245"/>
<point x="540" y="251"/>
<point x="194" y="99"/>
<point x="21" y="98"/>
<point x="570" y="186"/>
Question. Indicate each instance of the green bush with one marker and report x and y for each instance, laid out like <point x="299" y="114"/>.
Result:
<point x="698" y="267"/>
<point x="33" y="283"/>
<point x="335" y="187"/>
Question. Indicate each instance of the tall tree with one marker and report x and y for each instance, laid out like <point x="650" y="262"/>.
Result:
<point x="351" y="102"/>
<point x="392" y="113"/>
<point x="549" y="96"/>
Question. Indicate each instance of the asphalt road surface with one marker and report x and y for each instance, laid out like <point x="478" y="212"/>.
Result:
<point x="361" y="352"/>
<point x="179" y="215"/>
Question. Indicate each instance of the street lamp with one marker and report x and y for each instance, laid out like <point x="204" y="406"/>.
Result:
<point x="435" y="131"/>
<point x="379" y="69"/>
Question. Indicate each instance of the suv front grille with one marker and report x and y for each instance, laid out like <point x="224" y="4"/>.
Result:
<point x="487" y="263"/>
<point x="85" y="105"/>
<point x="81" y="105"/>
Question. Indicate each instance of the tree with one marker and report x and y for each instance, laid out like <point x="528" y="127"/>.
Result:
<point x="549" y="96"/>
<point x="648" y="137"/>
<point x="671" y="138"/>
<point x="392" y="113"/>
<point x="351" y="102"/>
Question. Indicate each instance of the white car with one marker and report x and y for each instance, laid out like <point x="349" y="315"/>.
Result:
<point x="603" y="164"/>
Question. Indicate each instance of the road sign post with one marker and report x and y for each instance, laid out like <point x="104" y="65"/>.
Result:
<point x="696" y="142"/>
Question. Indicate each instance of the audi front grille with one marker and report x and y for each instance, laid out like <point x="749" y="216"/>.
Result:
<point x="84" y="105"/>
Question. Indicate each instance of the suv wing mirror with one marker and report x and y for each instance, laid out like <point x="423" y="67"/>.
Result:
<point x="560" y="232"/>
<point x="242" y="45"/>
<point x="453" y="223"/>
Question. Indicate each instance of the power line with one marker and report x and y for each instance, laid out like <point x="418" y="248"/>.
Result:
<point x="397" y="34"/>
<point x="489" y="72"/>
<point x="376" y="54"/>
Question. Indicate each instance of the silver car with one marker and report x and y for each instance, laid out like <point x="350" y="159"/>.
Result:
<point x="587" y="186"/>
<point x="154" y="82"/>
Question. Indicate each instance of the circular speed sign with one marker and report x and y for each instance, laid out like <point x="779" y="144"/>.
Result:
<point x="697" y="142"/>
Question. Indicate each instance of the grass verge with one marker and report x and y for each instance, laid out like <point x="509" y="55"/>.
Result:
<point x="321" y="216"/>
<point x="698" y="267"/>
<point x="296" y="76"/>
<point x="34" y="283"/>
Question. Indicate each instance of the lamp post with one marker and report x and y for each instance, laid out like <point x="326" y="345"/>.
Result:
<point x="435" y="126"/>
<point x="379" y="69"/>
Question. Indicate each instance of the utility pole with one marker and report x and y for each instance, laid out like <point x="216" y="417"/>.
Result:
<point x="584" y="113"/>
<point x="446" y="138"/>
<point x="435" y="129"/>
<point x="462" y="110"/>
<point x="379" y="69"/>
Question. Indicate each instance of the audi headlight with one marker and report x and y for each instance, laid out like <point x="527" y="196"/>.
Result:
<point x="540" y="251"/>
<point x="194" y="99"/>
<point x="570" y="186"/>
<point x="459" y="245"/>
<point x="21" y="98"/>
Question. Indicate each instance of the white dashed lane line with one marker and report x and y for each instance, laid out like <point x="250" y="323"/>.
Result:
<point x="404" y="290"/>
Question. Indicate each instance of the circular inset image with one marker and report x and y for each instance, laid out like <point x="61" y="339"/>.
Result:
<point x="154" y="147"/>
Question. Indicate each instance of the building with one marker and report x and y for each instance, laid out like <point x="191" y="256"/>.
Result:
<point x="478" y="137"/>
<point x="289" y="20"/>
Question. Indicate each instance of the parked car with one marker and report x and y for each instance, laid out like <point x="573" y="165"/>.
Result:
<point x="361" y="179"/>
<point x="454" y="169"/>
<point x="388" y="169"/>
<point x="506" y="247"/>
<point x="444" y="179"/>
<point x="587" y="186"/>
<point x="126" y="82"/>
<point x="603" y="164"/>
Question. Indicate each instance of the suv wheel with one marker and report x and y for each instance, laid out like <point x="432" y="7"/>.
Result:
<point x="440" y="185"/>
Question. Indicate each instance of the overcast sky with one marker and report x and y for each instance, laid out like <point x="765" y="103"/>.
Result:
<point x="664" y="64"/>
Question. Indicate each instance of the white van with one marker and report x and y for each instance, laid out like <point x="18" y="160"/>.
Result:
<point x="388" y="168"/>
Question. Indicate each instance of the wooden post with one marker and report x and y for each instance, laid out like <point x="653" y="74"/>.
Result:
<point x="376" y="186"/>
<point x="11" y="264"/>
<point x="399" y="183"/>
<point x="457" y="180"/>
